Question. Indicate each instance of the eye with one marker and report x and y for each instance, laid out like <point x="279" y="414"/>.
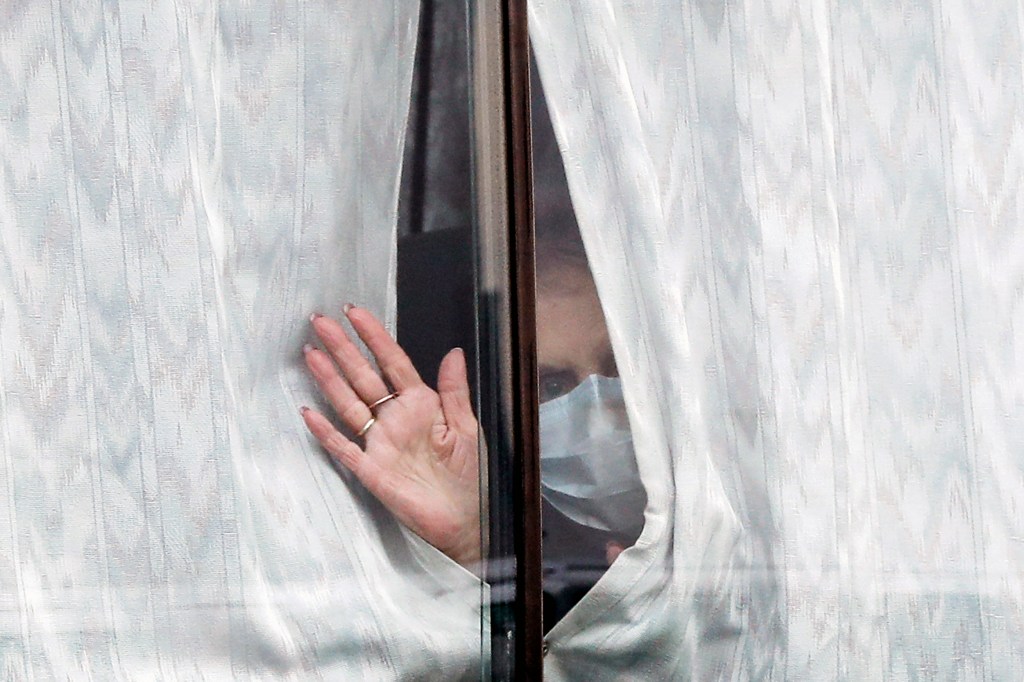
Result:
<point x="555" y="383"/>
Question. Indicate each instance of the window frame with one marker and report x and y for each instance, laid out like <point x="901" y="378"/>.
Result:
<point x="507" y="333"/>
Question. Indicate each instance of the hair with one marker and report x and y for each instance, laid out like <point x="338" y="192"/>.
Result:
<point x="559" y="255"/>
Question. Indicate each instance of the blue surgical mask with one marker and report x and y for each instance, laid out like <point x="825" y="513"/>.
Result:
<point x="588" y="468"/>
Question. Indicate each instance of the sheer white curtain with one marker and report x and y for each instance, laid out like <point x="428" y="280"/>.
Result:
<point x="806" y="222"/>
<point x="182" y="185"/>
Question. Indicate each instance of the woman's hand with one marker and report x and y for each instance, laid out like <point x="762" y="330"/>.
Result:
<point x="419" y="457"/>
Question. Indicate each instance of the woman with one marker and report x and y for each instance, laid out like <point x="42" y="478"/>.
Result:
<point x="416" y="448"/>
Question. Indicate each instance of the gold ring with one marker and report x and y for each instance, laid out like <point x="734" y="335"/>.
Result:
<point x="378" y="403"/>
<point x="366" y="427"/>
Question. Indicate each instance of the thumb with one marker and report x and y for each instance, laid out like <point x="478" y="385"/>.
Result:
<point x="453" y="387"/>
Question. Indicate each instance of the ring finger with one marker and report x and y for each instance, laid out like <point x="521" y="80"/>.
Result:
<point x="361" y="376"/>
<point x="352" y="410"/>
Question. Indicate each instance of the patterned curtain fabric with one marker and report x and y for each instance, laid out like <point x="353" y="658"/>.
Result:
<point x="182" y="184"/>
<point x="806" y="222"/>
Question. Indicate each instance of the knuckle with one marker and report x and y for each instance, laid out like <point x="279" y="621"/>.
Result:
<point x="322" y="367"/>
<point x="400" y="370"/>
<point x="365" y="377"/>
<point x="332" y="341"/>
<point x="349" y="356"/>
<point x="338" y="388"/>
<point x="341" y="349"/>
<point x="343" y="450"/>
<point x="351" y="412"/>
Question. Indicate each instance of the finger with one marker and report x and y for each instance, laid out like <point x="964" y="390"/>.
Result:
<point x="453" y="388"/>
<point x="346" y="403"/>
<point x="350" y="455"/>
<point x="391" y="359"/>
<point x="357" y="369"/>
<point x="612" y="550"/>
<point x="342" y="449"/>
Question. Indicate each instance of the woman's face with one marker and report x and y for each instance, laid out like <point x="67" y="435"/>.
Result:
<point x="572" y="338"/>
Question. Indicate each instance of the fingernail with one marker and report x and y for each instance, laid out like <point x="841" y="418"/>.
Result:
<point x="314" y="316"/>
<point x="347" y="308"/>
<point x="306" y="348"/>
<point x="303" y="409"/>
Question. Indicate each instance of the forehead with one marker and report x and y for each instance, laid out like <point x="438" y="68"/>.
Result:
<point x="571" y="331"/>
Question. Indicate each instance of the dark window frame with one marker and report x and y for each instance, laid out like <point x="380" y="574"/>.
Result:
<point x="507" y="333"/>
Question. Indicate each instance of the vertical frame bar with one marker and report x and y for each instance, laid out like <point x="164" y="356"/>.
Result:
<point x="509" y="418"/>
<point x="529" y="605"/>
